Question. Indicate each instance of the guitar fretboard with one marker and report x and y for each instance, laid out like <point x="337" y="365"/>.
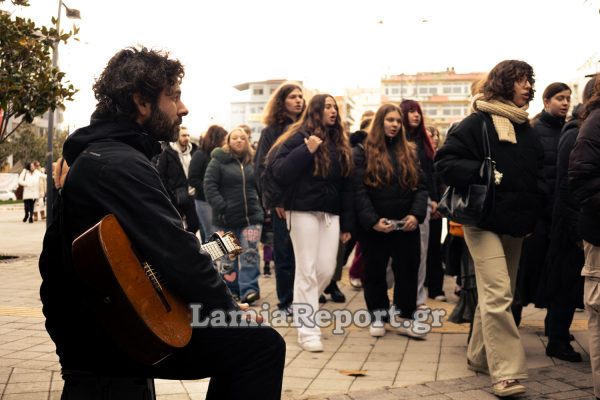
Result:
<point x="213" y="249"/>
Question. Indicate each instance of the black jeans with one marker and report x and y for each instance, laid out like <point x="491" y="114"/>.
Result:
<point x="285" y="265"/>
<point x="28" y="204"/>
<point x="434" y="280"/>
<point x="558" y="322"/>
<point x="405" y="250"/>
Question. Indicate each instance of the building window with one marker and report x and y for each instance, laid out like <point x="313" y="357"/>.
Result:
<point x="258" y="91"/>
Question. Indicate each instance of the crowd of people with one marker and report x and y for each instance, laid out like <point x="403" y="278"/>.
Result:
<point x="309" y="194"/>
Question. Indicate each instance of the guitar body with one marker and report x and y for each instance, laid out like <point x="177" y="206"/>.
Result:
<point x="146" y="324"/>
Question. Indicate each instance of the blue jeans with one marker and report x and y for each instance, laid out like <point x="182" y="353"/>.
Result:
<point x="241" y="275"/>
<point x="285" y="265"/>
<point x="204" y="211"/>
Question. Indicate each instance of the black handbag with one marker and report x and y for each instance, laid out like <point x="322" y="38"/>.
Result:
<point x="470" y="205"/>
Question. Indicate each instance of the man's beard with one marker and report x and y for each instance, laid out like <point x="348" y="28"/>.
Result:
<point x="159" y="126"/>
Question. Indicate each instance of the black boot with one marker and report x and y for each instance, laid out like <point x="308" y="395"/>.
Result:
<point x="322" y="299"/>
<point x="562" y="351"/>
<point x="25" y="219"/>
<point x="267" y="269"/>
<point x="336" y="294"/>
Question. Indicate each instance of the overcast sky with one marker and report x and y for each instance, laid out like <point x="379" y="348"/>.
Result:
<point x="330" y="45"/>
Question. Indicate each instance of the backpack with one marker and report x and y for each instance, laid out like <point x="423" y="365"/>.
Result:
<point x="271" y="192"/>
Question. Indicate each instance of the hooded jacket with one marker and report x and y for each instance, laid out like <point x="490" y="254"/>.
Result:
<point x="171" y="168"/>
<point x="230" y="189"/>
<point x="111" y="173"/>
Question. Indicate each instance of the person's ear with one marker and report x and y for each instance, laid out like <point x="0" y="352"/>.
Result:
<point x="143" y="106"/>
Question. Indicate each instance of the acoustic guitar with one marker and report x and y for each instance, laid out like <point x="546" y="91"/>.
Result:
<point x="146" y="320"/>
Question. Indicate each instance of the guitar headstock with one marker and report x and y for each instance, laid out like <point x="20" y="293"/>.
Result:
<point x="232" y="244"/>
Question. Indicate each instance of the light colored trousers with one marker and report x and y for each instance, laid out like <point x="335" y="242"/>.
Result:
<point x="495" y="342"/>
<point x="591" y="299"/>
<point x="424" y="230"/>
<point x="315" y="237"/>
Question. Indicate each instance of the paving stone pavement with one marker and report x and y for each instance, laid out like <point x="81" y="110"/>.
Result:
<point x="394" y="367"/>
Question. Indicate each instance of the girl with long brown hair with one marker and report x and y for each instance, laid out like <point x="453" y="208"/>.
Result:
<point x="312" y="160"/>
<point x="391" y="200"/>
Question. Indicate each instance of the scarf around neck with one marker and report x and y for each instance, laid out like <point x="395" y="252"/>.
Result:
<point x="503" y="115"/>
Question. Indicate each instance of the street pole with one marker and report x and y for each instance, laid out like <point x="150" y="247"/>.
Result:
<point x="49" y="152"/>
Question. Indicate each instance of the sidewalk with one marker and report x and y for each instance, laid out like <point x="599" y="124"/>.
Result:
<point x="393" y="366"/>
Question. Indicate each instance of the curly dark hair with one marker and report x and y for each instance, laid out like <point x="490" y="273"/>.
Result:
<point x="500" y="82"/>
<point x="142" y="71"/>
<point x="593" y="101"/>
<point x="275" y="111"/>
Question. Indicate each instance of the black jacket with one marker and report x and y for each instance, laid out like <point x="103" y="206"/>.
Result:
<point x="547" y="128"/>
<point x="111" y="173"/>
<point x="393" y="202"/>
<point x="584" y="177"/>
<point x="562" y="281"/>
<point x="197" y="171"/>
<point x="171" y="171"/>
<point x="268" y="136"/>
<point x="293" y="169"/>
<point x="230" y="189"/>
<point x="519" y="196"/>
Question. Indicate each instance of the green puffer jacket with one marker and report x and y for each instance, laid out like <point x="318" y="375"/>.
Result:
<point x="230" y="189"/>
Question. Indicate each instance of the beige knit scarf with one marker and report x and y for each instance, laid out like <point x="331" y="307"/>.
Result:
<point x="503" y="113"/>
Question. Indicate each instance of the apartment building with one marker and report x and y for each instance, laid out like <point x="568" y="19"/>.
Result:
<point x="444" y="96"/>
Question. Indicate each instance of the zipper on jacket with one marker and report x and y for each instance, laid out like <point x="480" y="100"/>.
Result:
<point x="244" y="191"/>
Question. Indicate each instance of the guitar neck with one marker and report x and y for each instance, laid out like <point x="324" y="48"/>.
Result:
<point x="214" y="249"/>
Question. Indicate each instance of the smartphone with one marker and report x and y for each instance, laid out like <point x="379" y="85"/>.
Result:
<point x="397" y="224"/>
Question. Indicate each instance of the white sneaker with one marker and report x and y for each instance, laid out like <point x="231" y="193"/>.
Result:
<point x="441" y="297"/>
<point x="314" y="346"/>
<point x="355" y="283"/>
<point x="407" y="329"/>
<point x="377" y="329"/>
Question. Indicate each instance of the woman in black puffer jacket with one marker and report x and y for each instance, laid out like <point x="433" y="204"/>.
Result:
<point x="495" y="242"/>
<point x="230" y="189"/>
<point x="389" y="186"/>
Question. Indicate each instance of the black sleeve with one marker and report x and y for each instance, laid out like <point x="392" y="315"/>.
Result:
<point x="347" y="217"/>
<point x="458" y="160"/>
<point x="212" y="185"/>
<point x="365" y="212"/>
<point x="264" y="145"/>
<point x="566" y="205"/>
<point x="584" y="165"/>
<point x="420" y="203"/>
<point x="292" y="160"/>
<point x="137" y="198"/>
<point x="196" y="171"/>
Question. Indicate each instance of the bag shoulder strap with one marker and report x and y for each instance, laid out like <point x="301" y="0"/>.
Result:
<point x="487" y="153"/>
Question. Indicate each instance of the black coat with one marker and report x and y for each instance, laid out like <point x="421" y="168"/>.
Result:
<point x="293" y="169"/>
<point x="268" y="136"/>
<point x="548" y="130"/>
<point x="197" y="170"/>
<point x="519" y="196"/>
<point x="230" y="189"/>
<point x="584" y="177"/>
<point x="171" y="171"/>
<point x="111" y="173"/>
<point x="392" y="202"/>
<point x="562" y="281"/>
<point x="426" y="165"/>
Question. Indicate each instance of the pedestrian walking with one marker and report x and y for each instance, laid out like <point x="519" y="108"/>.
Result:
<point x="495" y="242"/>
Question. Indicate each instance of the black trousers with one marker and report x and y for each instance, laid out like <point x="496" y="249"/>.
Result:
<point x="434" y="280"/>
<point x="28" y="204"/>
<point x="285" y="264"/>
<point x="404" y="248"/>
<point x="243" y="363"/>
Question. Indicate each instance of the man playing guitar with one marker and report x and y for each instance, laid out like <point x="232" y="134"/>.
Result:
<point x="139" y="104"/>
